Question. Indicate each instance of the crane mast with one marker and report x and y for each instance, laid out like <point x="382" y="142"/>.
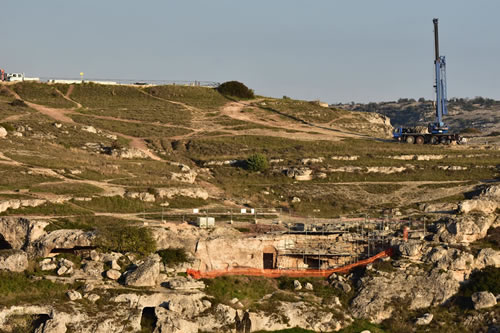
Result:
<point x="440" y="86"/>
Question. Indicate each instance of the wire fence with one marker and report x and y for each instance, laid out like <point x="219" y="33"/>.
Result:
<point x="110" y="81"/>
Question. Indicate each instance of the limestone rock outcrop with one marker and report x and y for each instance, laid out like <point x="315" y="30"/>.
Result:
<point x="146" y="274"/>
<point x="466" y="229"/>
<point x="19" y="203"/>
<point x="63" y="239"/>
<point x="190" y="192"/>
<point x="375" y="299"/>
<point x="13" y="260"/>
<point x="20" y="232"/>
<point x="487" y="202"/>
<point x="483" y="300"/>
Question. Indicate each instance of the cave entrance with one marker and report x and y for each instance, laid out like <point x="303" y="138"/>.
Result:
<point x="39" y="320"/>
<point x="4" y="245"/>
<point x="78" y="250"/>
<point x="269" y="255"/>
<point x="148" y="319"/>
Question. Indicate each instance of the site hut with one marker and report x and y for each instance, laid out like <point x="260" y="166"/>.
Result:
<point x="205" y="222"/>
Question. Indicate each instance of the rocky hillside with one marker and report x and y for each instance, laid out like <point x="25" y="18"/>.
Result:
<point x="101" y="187"/>
<point x="479" y="113"/>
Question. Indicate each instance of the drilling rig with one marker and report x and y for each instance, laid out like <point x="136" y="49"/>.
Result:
<point x="436" y="132"/>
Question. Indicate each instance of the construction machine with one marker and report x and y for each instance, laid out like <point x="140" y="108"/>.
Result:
<point x="436" y="132"/>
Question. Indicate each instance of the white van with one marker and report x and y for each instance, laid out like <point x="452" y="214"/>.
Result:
<point x="15" y="77"/>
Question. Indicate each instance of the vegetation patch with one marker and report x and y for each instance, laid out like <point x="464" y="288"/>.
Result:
<point x="173" y="257"/>
<point x="128" y="103"/>
<point x="117" y="204"/>
<point x="246" y="288"/>
<point x="235" y="89"/>
<point x="19" y="288"/>
<point x="41" y="93"/>
<point x="126" y="239"/>
<point x="75" y="189"/>
<point x="199" y="97"/>
<point x="257" y="162"/>
<point x="483" y="280"/>
<point x="139" y="130"/>
<point x="14" y="177"/>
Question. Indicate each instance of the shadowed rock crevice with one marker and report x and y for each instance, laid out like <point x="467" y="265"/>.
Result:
<point x="4" y="245"/>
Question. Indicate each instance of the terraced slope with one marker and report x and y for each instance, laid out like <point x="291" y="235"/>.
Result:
<point x="92" y="149"/>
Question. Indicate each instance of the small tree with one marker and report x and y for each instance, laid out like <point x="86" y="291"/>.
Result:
<point x="257" y="162"/>
<point x="235" y="89"/>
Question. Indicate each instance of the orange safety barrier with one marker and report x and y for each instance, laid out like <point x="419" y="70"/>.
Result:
<point x="275" y="273"/>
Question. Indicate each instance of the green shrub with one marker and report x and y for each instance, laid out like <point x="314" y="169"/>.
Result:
<point x="8" y="127"/>
<point x="257" y="162"/>
<point x="173" y="257"/>
<point x="235" y="89"/>
<point x="484" y="280"/>
<point x="127" y="239"/>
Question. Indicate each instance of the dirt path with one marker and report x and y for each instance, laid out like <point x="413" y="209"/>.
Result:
<point x="66" y="96"/>
<point x="297" y="130"/>
<point x="14" y="117"/>
<point x="70" y="90"/>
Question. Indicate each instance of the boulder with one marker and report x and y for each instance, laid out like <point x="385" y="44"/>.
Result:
<point x="92" y="297"/>
<point x="483" y="300"/>
<point x="146" y="274"/>
<point x="113" y="274"/>
<point x="48" y="264"/>
<point x="297" y="285"/>
<point x="93" y="269"/>
<point x="88" y="287"/>
<point x="3" y="132"/>
<point x="73" y="295"/>
<point x="90" y="129"/>
<point x="424" y="320"/>
<point x="115" y="265"/>
<point x="344" y="286"/>
<point x="62" y="270"/>
<point x="410" y="249"/>
<point x="488" y="257"/>
<point x="185" y="177"/>
<point x="13" y="260"/>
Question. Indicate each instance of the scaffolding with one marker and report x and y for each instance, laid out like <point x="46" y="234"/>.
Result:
<point x="335" y="242"/>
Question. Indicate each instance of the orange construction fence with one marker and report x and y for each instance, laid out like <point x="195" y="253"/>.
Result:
<point x="275" y="273"/>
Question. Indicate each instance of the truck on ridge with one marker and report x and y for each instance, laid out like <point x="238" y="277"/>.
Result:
<point x="437" y="132"/>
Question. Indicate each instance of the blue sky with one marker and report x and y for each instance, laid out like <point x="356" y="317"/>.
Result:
<point x="336" y="51"/>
